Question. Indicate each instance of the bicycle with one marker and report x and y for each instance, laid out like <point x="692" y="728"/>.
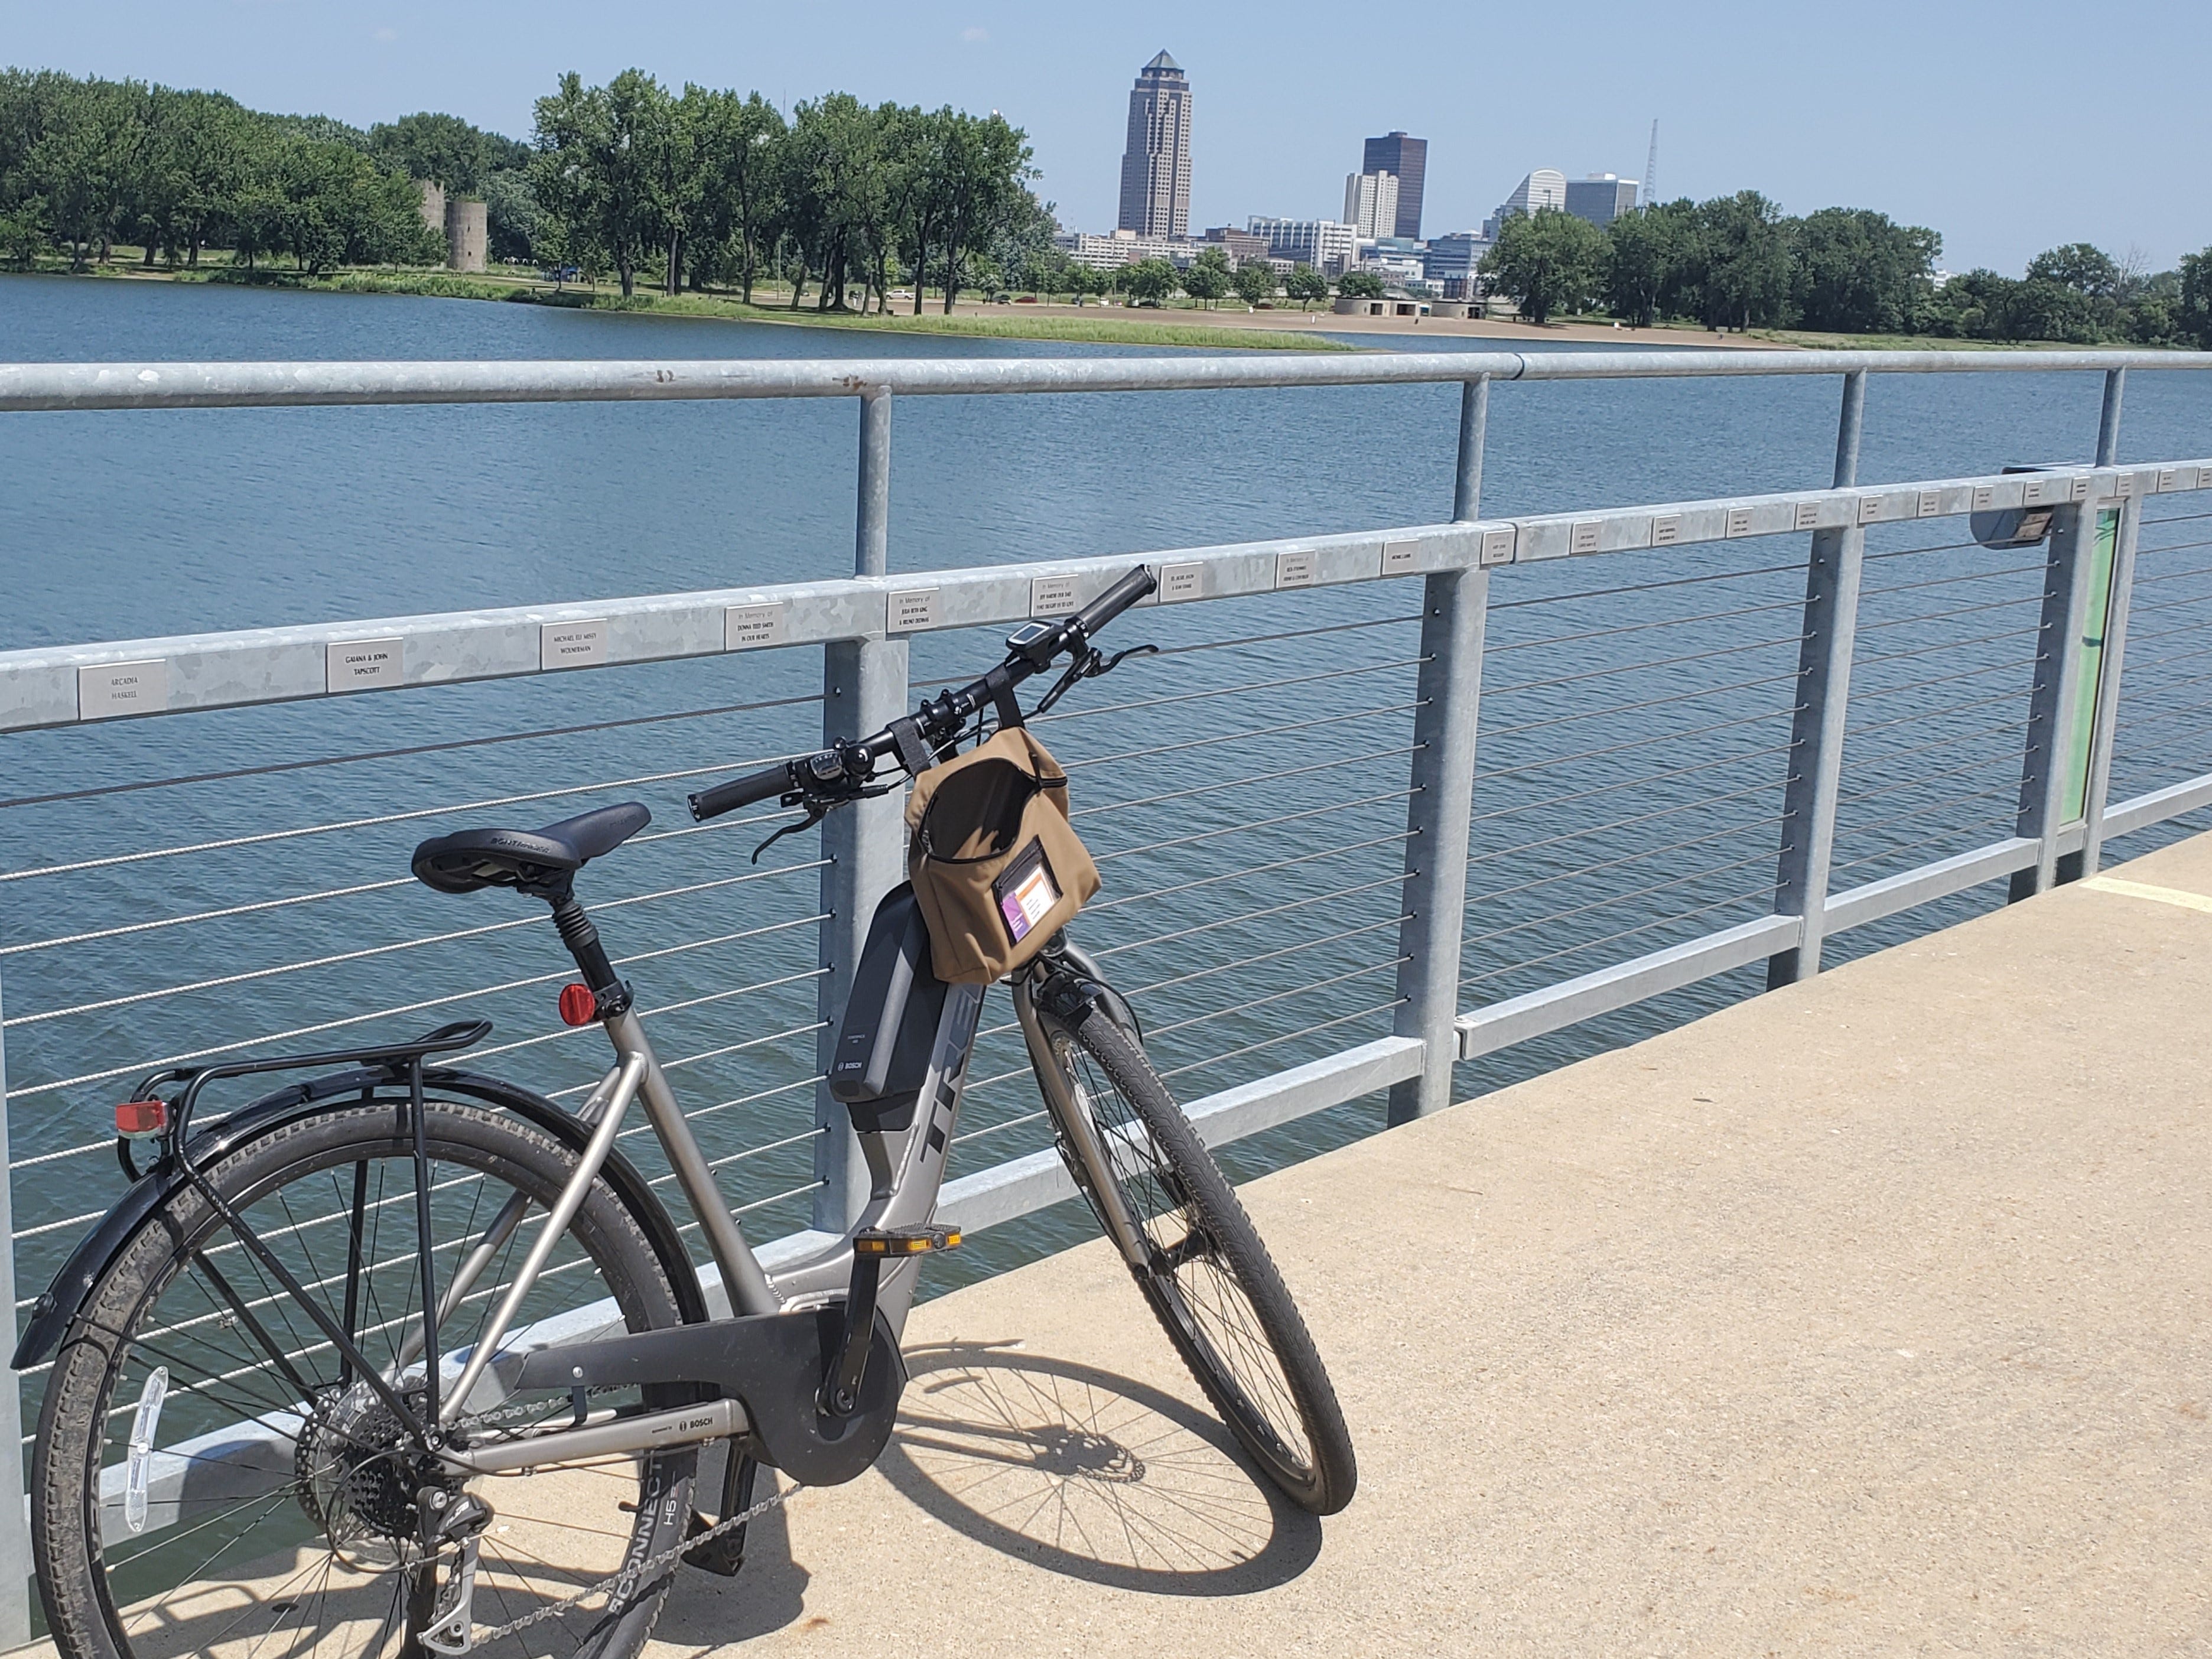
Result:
<point x="270" y="1285"/>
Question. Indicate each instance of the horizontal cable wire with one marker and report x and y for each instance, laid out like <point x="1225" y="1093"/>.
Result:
<point x="694" y="1113"/>
<point x="1496" y="731"/>
<point x="1644" y="587"/>
<point x="1288" y="634"/>
<point x="992" y="1129"/>
<point x="1951" y="645"/>
<point x="276" y="767"/>
<point x="1395" y="963"/>
<point x="1941" y="837"/>
<point x="1239" y="736"/>
<point x="1607" y="901"/>
<point x="1287" y="1037"/>
<point x="1865" y="694"/>
<point x="1641" y="628"/>
<point x="1275" y="955"/>
<point x="1553" y="762"/>
<point x="1259" y="823"/>
<point x="1330" y="897"/>
<point x="1360" y="759"/>
<point x="1631" y="783"/>
<point x="1141" y="704"/>
<point x="409" y="816"/>
<point x="1884" y="592"/>
<point x="1933" y="547"/>
<point x="1636" y="667"/>
<point x="1490" y="895"/>
<point x="1945" y="616"/>
<point x="1919" y="716"/>
<point x="387" y="949"/>
<point x="1180" y="888"/>
<point x="1764" y="891"/>
<point x="1520" y="847"/>
<point x="1881" y="756"/>
<point x="1932" y="777"/>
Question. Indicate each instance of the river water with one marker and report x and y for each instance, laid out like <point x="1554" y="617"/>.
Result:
<point x="1630" y="782"/>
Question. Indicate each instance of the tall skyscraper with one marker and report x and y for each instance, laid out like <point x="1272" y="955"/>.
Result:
<point x="1156" y="165"/>
<point x="1407" y="159"/>
<point x="1545" y="187"/>
<point x="1371" y="203"/>
<point x="1602" y="197"/>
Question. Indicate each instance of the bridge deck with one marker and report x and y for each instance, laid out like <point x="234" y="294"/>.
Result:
<point x="1867" y="1317"/>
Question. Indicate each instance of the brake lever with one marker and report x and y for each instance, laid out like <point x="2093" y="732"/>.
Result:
<point x="817" y="810"/>
<point x="1090" y="665"/>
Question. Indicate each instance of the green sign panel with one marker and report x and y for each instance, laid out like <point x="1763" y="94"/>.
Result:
<point x="2096" y="617"/>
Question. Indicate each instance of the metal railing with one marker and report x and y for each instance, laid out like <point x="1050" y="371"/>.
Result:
<point x="1749" y="727"/>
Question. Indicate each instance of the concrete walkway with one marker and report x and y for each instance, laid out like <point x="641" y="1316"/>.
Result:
<point x="1866" y="1317"/>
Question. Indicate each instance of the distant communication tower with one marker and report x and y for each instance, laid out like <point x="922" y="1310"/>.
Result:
<point x="1652" y="166"/>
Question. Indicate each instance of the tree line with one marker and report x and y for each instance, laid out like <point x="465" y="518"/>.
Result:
<point x="1739" y="262"/>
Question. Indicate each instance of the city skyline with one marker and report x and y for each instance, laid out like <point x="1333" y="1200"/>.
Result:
<point x="1284" y="122"/>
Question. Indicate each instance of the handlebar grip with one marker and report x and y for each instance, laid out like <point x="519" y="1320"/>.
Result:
<point x="741" y="792"/>
<point x="1115" y="599"/>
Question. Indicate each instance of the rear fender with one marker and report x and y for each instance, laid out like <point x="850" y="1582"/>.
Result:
<point x="50" y="1315"/>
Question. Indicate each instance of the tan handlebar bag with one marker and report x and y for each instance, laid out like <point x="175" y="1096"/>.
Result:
<point x="997" y="868"/>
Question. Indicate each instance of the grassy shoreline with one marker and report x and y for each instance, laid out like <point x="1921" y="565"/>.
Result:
<point x="1011" y="324"/>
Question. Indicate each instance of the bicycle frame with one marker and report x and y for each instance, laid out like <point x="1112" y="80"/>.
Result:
<point x="906" y="1169"/>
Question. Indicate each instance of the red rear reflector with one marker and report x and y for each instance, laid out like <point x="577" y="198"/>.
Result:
<point x="578" y="1005"/>
<point x="142" y="1117"/>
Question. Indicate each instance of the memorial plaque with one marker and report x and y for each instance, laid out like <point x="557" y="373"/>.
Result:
<point x="2031" y="493"/>
<point x="1666" y="529"/>
<point x="572" y="644"/>
<point x="1294" y="570"/>
<point x="1585" y="538"/>
<point x="359" y="664"/>
<point x="1181" y="581"/>
<point x="122" y="687"/>
<point x="1739" y="521"/>
<point x="2204" y="477"/>
<point x="1052" y="596"/>
<point x="747" y="627"/>
<point x="2081" y="488"/>
<point x="1869" y="509"/>
<point x="1497" y="546"/>
<point x="1401" y="558"/>
<point x="1985" y="497"/>
<point x="1930" y="504"/>
<point x="913" y="609"/>
<point x="1808" y="514"/>
<point x="2169" y="478"/>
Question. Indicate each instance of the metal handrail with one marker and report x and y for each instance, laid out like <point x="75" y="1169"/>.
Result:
<point x="276" y="386"/>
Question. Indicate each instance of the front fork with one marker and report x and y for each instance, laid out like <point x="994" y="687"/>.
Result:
<point x="1064" y="986"/>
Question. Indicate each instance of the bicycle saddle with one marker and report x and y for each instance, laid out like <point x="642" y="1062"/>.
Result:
<point x="535" y="861"/>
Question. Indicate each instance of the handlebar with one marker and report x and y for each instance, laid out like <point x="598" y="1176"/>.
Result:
<point x="841" y="774"/>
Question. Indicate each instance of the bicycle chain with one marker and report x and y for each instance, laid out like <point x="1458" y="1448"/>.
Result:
<point x="652" y="1565"/>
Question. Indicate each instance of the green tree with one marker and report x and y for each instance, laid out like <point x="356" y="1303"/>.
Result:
<point x="1746" y="265"/>
<point x="1547" y="262"/>
<point x="1256" y="282"/>
<point x="1305" y="285"/>
<point x="736" y="147"/>
<point x="1645" y="255"/>
<point x="595" y="166"/>
<point x="458" y="157"/>
<point x="1150" y="280"/>
<point x="1206" y="279"/>
<point x="1859" y="272"/>
<point x="2193" y="299"/>
<point x="1360" y="285"/>
<point x="2087" y="271"/>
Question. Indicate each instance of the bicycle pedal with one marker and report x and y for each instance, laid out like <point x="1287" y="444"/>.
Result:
<point x="905" y="1241"/>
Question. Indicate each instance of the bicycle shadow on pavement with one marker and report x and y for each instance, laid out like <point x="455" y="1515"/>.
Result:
<point x="1089" y="1474"/>
<point x="705" y="1613"/>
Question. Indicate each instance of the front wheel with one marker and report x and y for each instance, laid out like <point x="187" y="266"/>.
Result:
<point x="1208" y="1277"/>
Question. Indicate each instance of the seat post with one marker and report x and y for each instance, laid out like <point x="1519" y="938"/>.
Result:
<point x="582" y="940"/>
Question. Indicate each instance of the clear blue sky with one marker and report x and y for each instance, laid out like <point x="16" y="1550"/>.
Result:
<point x="2007" y="127"/>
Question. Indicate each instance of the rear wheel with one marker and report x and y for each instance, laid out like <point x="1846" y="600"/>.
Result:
<point x="1207" y="1276"/>
<point x="209" y="1477"/>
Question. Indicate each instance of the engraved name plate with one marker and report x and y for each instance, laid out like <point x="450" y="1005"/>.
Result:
<point x="572" y="644"/>
<point x="122" y="687"/>
<point x="1666" y="529"/>
<point x="1739" y="521"/>
<point x="1294" y="569"/>
<point x="1052" y="596"/>
<point x="746" y="627"/>
<point x="1401" y="558"/>
<point x="1497" y="546"/>
<point x="1181" y="581"/>
<point x="913" y="608"/>
<point x="357" y="665"/>
<point x="1808" y="514"/>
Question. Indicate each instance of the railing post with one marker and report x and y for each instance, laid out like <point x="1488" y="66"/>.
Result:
<point x="1453" y="606"/>
<point x="15" y="1530"/>
<point x="871" y="522"/>
<point x="1817" y="726"/>
<point x="864" y="688"/>
<point x="2106" y="732"/>
<point x="2066" y="576"/>
<point x="2108" y="419"/>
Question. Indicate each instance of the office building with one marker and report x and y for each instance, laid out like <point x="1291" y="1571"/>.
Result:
<point x="1322" y="243"/>
<point x="1239" y="246"/>
<point x="1545" y="187"/>
<point x="1602" y="197"/>
<point x="1371" y="203"/>
<point x="1156" y="165"/>
<point x="1125" y="247"/>
<point x="1405" y="159"/>
<point x="1454" y="258"/>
